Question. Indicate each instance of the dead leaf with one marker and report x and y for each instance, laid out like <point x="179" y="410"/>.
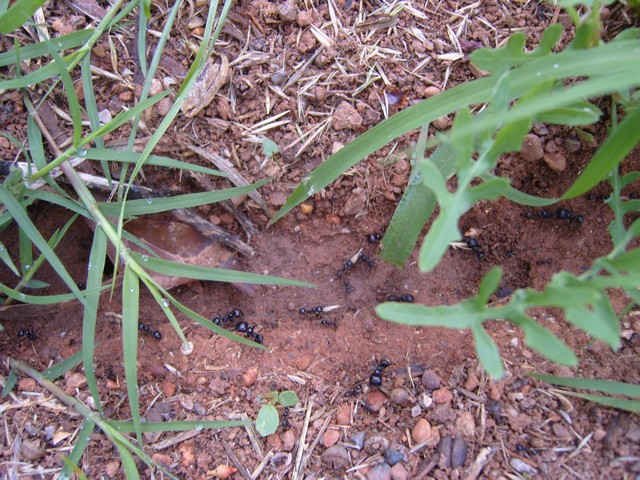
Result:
<point x="204" y="90"/>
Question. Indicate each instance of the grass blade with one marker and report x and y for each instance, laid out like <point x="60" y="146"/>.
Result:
<point x="176" y="426"/>
<point x="197" y="272"/>
<point x="487" y="351"/>
<point x="78" y="449"/>
<point x="41" y="49"/>
<point x="105" y="154"/>
<point x="130" y="310"/>
<point x="6" y="258"/>
<point x="128" y="463"/>
<point x="95" y="271"/>
<point x="72" y="98"/>
<point x="148" y="206"/>
<point x="18" y="14"/>
<point x="606" y="386"/>
<point x="632" y="406"/>
<point x="60" y="368"/>
<point x="24" y="222"/>
<point x="624" y="137"/>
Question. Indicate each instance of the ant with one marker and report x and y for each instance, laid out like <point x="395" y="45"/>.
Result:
<point x="352" y="261"/>
<point x="560" y="214"/>
<point x="28" y="333"/>
<point x="374" y="237"/>
<point x="474" y="245"/>
<point x="249" y="331"/>
<point x="406" y="298"/>
<point x="317" y="310"/>
<point x="143" y="327"/>
<point x="375" y="379"/>
<point x="284" y="419"/>
<point x="232" y="315"/>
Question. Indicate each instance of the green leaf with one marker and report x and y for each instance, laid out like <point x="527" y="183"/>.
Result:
<point x="269" y="147"/>
<point x="544" y="342"/>
<point x="108" y="154"/>
<point x="268" y="420"/>
<point x="176" y="426"/>
<point x="288" y="398"/>
<point x="487" y="351"/>
<point x="619" y="143"/>
<point x="130" y="310"/>
<point x="37" y="76"/>
<point x="22" y="219"/>
<point x="6" y="259"/>
<point x="18" y="14"/>
<point x="458" y="316"/>
<point x="148" y="206"/>
<point x="197" y="272"/>
<point x="82" y="441"/>
<point x="128" y="463"/>
<point x="59" y="369"/>
<point x="95" y="270"/>
<point x="41" y="49"/>
<point x="488" y="285"/>
<point x="582" y="113"/>
<point x="609" y="387"/>
<point x="632" y="406"/>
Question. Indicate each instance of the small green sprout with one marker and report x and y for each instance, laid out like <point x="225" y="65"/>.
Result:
<point x="268" y="418"/>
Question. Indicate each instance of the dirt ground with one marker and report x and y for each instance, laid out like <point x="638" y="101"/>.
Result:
<point x="322" y="72"/>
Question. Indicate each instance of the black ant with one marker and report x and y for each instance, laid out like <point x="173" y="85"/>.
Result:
<point x="351" y="262"/>
<point x="375" y="379"/>
<point x="284" y="419"/>
<point x="474" y="245"/>
<point x="28" y="333"/>
<point x="143" y="327"/>
<point x="374" y="237"/>
<point x="560" y="214"/>
<point x="318" y="310"/>
<point x="249" y="331"/>
<point x="406" y="298"/>
<point x="232" y="315"/>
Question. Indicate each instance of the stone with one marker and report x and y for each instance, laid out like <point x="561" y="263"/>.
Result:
<point x="357" y="440"/>
<point x="376" y="444"/>
<point x="556" y="161"/>
<point x="430" y="380"/>
<point x="560" y="431"/>
<point x="335" y="457"/>
<point x="75" y="380"/>
<point x="112" y="468"/>
<point x="304" y="18"/>
<point x="444" y="451"/>
<point x="343" y="414"/>
<point x="430" y="91"/>
<point x="398" y="472"/>
<point x="394" y="454"/>
<point x="442" y="396"/>
<point x="466" y="425"/>
<point x="442" y="123"/>
<point x="306" y="208"/>
<point x="472" y="381"/>
<point x="399" y="396"/>
<point x="31" y="450"/>
<point x="382" y="471"/>
<point x="416" y="411"/>
<point x="250" y="376"/>
<point x="522" y="467"/>
<point x="307" y="42"/>
<point x="288" y="12"/>
<point x="330" y="437"/>
<point x="288" y="438"/>
<point x="458" y="452"/>
<point x="356" y="202"/>
<point x="26" y="384"/>
<point x="421" y="431"/>
<point x="163" y="106"/>
<point x="375" y="400"/>
<point x="532" y="149"/>
<point x="633" y="433"/>
<point x="443" y="414"/>
<point x="346" y="117"/>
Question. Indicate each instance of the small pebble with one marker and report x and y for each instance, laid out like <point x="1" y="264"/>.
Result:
<point x="357" y="440"/>
<point x="330" y="437"/>
<point x="346" y="117"/>
<point x="430" y="91"/>
<point x="442" y="396"/>
<point x="458" y="452"/>
<point x="376" y="444"/>
<point x="416" y="411"/>
<point x="466" y="425"/>
<point x="343" y="414"/>
<point x="444" y="449"/>
<point x="31" y="450"/>
<point x="398" y="472"/>
<point x="382" y="471"/>
<point x="430" y="380"/>
<point x="374" y="400"/>
<point x="442" y="123"/>
<point x="75" y="380"/>
<point x="335" y="457"/>
<point x="288" y="12"/>
<point x="186" y="403"/>
<point x="306" y="208"/>
<point x="421" y="431"/>
<point x="394" y="455"/>
<point x="522" y="467"/>
<point x="288" y="438"/>
<point x="250" y="376"/>
<point x="560" y="431"/>
<point x="532" y="149"/>
<point x="399" y="396"/>
<point x="556" y="161"/>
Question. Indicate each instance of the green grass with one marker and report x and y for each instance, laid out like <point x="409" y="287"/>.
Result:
<point x="546" y="85"/>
